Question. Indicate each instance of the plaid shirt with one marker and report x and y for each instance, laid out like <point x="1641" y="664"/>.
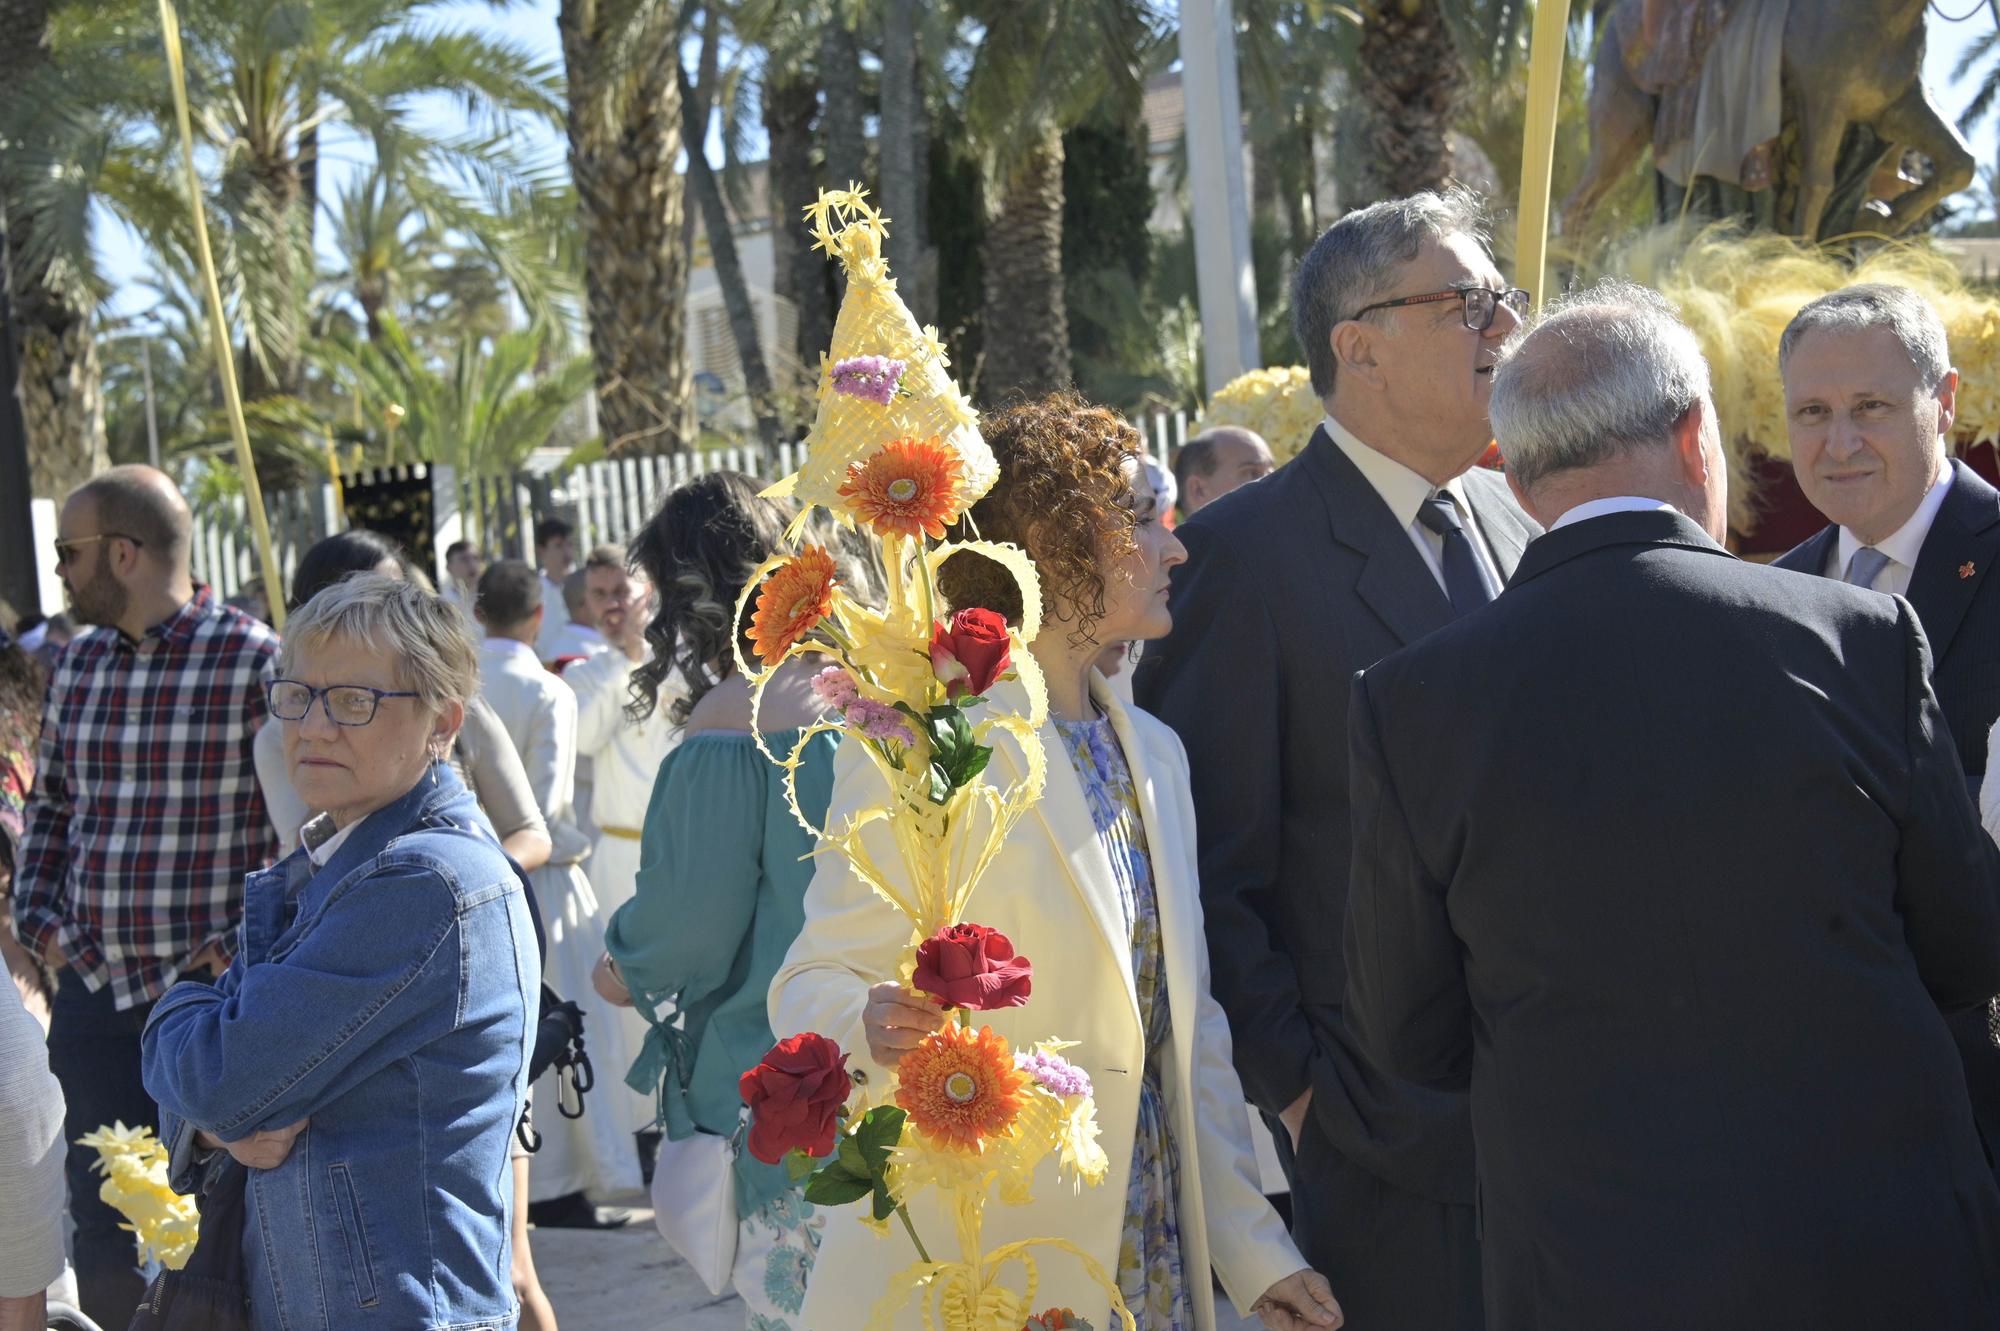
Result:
<point x="145" y="814"/>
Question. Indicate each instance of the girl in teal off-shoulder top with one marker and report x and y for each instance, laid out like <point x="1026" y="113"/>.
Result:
<point x="723" y="862"/>
<point x="721" y="884"/>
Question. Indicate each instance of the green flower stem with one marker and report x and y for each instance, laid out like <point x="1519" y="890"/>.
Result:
<point x="840" y="639"/>
<point x="910" y="1229"/>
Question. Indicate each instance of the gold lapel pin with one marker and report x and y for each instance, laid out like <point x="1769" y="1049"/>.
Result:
<point x="1967" y="569"/>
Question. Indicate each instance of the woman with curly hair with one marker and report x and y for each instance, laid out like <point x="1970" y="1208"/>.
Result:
<point x="723" y="863"/>
<point x="1099" y="890"/>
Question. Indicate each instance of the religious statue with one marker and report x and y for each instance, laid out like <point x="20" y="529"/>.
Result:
<point x="1807" y="117"/>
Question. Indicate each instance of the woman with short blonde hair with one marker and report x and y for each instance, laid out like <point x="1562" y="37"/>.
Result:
<point x="366" y="1054"/>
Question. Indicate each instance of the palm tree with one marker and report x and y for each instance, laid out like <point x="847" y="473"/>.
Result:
<point x="1289" y="51"/>
<point x="386" y="253"/>
<point x="798" y="275"/>
<point x="482" y="413"/>
<point x="623" y="62"/>
<point x="61" y="394"/>
<point x="905" y="158"/>
<point x="719" y="228"/>
<point x="840" y="76"/>
<point x="785" y="34"/>
<point x="264" y="78"/>
<point x="1040" y="68"/>
<point x="1410" y="79"/>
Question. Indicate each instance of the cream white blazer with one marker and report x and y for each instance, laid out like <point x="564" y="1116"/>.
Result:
<point x="1051" y="891"/>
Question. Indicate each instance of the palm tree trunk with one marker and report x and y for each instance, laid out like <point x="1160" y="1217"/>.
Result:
<point x="923" y="295"/>
<point x="624" y="143"/>
<point x="1411" y="79"/>
<point x="728" y="269"/>
<point x="900" y="163"/>
<point x="841" y="127"/>
<point x="61" y="385"/>
<point x="1025" y="318"/>
<point x="790" y="102"/>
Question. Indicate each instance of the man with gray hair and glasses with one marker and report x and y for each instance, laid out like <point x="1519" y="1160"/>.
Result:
<point x="1870" y="397"/>
<point x="1380" y="531"/>
<point x="1682" y="909"/>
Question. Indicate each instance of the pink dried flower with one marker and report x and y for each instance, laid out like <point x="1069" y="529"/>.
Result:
<point x="836" y="688"/>
<point x="874" y="378"/>
<point x="878" y="721"/>
<point x="1054" y="1074"/>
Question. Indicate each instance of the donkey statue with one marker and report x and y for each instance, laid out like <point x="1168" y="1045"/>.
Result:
<point x="1845" y="62"/>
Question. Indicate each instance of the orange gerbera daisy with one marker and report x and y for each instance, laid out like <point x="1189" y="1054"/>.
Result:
<point x="960" y="1087"/>
<point x="792" y="600"/>
<point x="907" y="487"/>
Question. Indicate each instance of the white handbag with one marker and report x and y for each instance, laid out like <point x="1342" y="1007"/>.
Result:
<point x="694" y="1201"/>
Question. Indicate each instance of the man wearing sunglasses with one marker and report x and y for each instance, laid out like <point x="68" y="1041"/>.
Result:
<point x="144" y="818"/>
<point x="1381" y="531"/>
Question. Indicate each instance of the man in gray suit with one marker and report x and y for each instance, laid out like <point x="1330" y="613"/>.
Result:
<point x="1381" y="531"/>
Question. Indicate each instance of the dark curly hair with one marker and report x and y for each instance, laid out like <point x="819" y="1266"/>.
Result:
<point x="699" y="549"/>
<point x="1064" y="495"/>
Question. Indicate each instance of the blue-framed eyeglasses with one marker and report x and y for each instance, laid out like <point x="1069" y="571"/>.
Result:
<point x="345" y="704"/>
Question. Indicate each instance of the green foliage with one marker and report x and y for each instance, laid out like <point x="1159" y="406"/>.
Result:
<point x="482" y="411"/>
<point x="1108" y="260"/>
<point x="267" y="79"/>
<point x="859" y="1165"/>
<point x="957" y="223"/>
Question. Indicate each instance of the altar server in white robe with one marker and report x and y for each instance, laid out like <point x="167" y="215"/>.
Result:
<point x="624" y="756"/>
<point x="594" y="1153"/>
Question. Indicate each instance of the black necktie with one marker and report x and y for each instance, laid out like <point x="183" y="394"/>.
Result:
<point x="1464" y="584"/>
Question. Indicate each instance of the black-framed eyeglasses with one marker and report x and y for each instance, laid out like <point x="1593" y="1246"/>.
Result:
<point x="66" y="549"/>
<point x="1481" y="303"/>
<point x="344" y="704"/>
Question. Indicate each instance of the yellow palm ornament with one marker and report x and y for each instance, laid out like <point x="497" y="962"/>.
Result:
<point x="895" y="452"/>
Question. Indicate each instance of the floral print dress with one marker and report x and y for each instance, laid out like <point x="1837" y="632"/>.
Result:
<point x="1150" y="1276"/>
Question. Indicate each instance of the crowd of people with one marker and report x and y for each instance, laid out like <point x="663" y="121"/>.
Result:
<point x="1603" y="925"/>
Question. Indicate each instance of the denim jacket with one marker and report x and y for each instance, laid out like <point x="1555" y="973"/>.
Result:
<point x="387" y="996"/>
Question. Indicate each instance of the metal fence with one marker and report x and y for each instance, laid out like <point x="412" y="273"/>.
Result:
<point x="606" y="501"/>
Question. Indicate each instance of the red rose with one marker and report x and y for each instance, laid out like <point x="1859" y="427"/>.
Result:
<point x="972" y="966"/>
<point x="972" y="653"/>
<point x="1057" y="1319"/>
<point x="795" y="1096"/>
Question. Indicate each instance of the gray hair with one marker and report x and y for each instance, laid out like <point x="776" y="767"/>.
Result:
<point x="1605" y="370"/>
<point x="422" y="634"/>
<point x="1356" y="260"/>
<point x="1876" y="305"/>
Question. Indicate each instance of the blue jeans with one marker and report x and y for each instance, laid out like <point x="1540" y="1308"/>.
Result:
<point x="94" y="1052"/>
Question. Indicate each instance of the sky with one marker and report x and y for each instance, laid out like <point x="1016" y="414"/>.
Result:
<point x="532" y="24"/>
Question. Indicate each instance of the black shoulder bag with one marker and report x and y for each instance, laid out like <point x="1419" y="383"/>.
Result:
<point x="209" y="1293"/>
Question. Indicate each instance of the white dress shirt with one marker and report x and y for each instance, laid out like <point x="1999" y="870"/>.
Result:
<point x="555" y="618"/>
<point x="1404" y="491"/>
<point x="572" y="639"/>
<point x="322" y="838"/>
<point x="1597" y="508"/>
<point x="625" y="755"/>
<point x="538" y="710"/>
<point x="1902" y="546"/>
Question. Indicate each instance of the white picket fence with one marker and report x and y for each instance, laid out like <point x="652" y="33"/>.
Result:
<point x="607" y="501"/>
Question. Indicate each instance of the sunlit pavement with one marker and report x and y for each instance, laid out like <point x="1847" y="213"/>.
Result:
<point x="628" y="1280"/>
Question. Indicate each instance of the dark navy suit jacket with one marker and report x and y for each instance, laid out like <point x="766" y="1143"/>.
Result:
<point x="1665" y="856"/>
<point x="1957" y="599"/>
<point x="1292" y="584"/>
